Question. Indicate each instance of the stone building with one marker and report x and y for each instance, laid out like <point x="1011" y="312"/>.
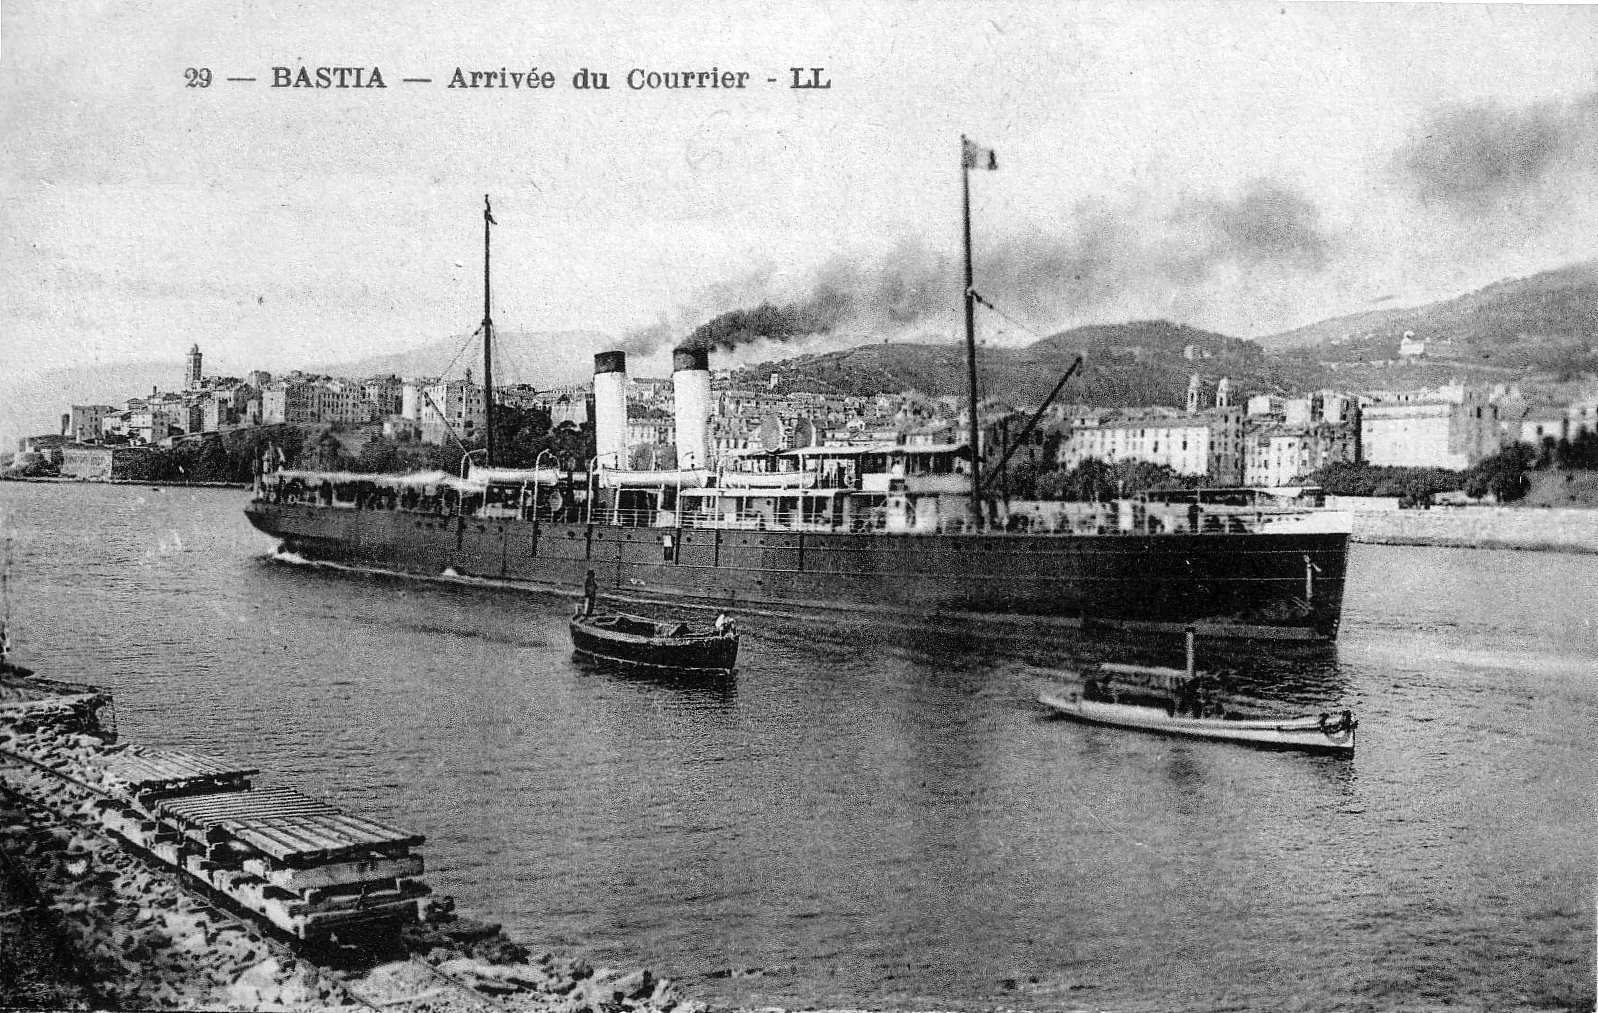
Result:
<point x="1279" y="455"/>
<point x="452" y="410"/>
<point x="1450" y="427"/>
<point x="1203" y="443"/>
<point x="85" y="423"/>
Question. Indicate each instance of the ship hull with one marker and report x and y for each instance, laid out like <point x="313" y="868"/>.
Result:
<point x="1281" y="586"/>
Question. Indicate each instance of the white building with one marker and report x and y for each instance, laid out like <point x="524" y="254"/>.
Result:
<point x="296" y="403"/>
<point x="1581" y="417"/>
<point x="152" y="425"/>
<point x="1264" y="404"/>
<point x="452" y="408"/>
<point x="1208" y="443"/>
<point x="1281" y="455"/>
<point x="1451" y="427"/>
<point x="385" y="393"/>
<point x="1539" y="424"/>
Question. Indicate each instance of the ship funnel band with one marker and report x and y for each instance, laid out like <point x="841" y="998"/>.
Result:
<point x="610" y="362"/>
<point x="690" y="358"/>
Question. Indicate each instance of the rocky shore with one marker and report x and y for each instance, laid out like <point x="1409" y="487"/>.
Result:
<point x="88" y="924"/>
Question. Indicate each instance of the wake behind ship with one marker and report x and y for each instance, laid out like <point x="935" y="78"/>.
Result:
<point x="893" y="528"/>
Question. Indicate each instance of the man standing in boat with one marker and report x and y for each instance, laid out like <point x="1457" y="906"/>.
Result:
<point x="590" y="592"/>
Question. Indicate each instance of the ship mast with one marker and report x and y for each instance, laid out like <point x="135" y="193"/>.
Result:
<point x="970" y="330"/>
<point x="488" y="346"/>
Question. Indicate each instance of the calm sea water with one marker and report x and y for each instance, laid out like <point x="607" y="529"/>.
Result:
<point x="885" y="816"/>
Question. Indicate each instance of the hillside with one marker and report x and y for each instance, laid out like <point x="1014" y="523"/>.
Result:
<point x="1124" y="364"/>
<point x="1547" y="322"/>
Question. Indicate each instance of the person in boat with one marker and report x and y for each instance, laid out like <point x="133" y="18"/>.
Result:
<point x="724" y="625"/>
<point x="1331" y="725"/>
<point x="590" y="592"/>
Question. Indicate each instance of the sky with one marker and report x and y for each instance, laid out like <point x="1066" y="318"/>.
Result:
<point x="1244" y="167"/>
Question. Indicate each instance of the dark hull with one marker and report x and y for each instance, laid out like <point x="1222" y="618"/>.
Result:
<point x="684" y="654"/>
<point x="1287" y="586"/>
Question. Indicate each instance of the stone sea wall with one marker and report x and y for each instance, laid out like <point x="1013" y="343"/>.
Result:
<point x="1481" y="527"/>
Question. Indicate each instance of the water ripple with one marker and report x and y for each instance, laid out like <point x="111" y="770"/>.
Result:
<point x="882" y="816"/>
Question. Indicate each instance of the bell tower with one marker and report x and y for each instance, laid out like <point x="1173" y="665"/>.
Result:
<point x="191" y="379"/>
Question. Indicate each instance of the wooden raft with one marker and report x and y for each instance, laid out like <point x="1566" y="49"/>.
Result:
<point x="303" y="865"/>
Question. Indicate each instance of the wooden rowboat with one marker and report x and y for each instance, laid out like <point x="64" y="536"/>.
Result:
<point x="1323" y="733"/>
<point x="636" y="640"/>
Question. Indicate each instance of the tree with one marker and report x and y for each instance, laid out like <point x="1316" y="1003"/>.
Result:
<point x="1503" y="475"/>
<point x="1547" y="452"/>
<point x="327" y="454"/>
<point x="1413" y="486"/>
<point x="1133" y="477"/>
<point x="213" y="464"/>
<point x="1564" y="454"/>
<point x="519" y="435"/>
<point x="1092" y="480"/>
<point x="378" y="455"/>
<point x="1584" y="451"/>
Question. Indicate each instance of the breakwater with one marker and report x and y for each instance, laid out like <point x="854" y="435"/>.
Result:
<point x="1482" y="527"/>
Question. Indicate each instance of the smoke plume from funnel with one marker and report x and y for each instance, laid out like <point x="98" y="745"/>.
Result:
<point x="1129" y="258"/>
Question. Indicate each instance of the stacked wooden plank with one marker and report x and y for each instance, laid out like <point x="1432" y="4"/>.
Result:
<point x="302" y="864"/>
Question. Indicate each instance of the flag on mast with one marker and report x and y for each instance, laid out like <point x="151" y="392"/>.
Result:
<point x="488" y="211"/>
<point x="974" y="156"/>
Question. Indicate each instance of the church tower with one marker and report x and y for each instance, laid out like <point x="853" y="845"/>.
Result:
<point x="1193" y="394"/>
<point x="191" y="380"/>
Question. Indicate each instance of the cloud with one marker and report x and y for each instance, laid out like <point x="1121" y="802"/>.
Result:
<point x="1268" y="223"/>
<point x="1484" y="157"/>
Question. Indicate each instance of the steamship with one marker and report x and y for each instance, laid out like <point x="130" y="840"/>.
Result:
<point x="895" y="529"/>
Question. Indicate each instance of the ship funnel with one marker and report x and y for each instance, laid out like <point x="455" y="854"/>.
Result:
<point x="610" y="409"/>
<point x="690" y="385"/>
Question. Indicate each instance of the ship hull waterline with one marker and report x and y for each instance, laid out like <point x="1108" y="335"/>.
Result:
<point x="1286" y="586"/>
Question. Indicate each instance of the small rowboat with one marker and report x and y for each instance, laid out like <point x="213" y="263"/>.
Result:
<point x="1322" y="734"/>
<point x="636" y="640"/>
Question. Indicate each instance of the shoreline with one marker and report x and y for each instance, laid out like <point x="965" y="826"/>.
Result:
<point x="1523" y="529"/>
<point x="106" y="926"/>
<point x="1487" y="544"/>
<point x="60" y="480"/>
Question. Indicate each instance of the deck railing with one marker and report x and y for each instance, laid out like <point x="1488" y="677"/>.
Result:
<point x="1105" y="519"/>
